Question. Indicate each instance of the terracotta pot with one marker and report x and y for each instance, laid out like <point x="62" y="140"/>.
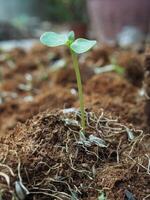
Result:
<point x="108" y="17"/>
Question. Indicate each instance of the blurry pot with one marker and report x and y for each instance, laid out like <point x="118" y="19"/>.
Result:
<point x="79" y="28"/>
<point x="108" y="17"/>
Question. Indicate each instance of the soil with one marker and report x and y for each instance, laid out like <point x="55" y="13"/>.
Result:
<point x="42" y="148"/>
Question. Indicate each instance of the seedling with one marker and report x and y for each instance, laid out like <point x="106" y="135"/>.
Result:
<point x="76" y="46"/>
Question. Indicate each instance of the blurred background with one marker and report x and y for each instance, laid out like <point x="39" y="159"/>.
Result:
<point x="108" y="21"/>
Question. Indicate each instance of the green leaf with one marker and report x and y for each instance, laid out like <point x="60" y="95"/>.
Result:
<point x="71" y="36"/>
<point x="102" y="196"/>
<point x="82" y="45"/>
<point x="119" y="70"/>
<point x="52" y="39"/>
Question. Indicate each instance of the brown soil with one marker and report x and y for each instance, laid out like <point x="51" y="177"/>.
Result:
<point x="19" y="111"/>
<point x="147" y="85"/>
<point x="67" y="75"/>
<point x="55" y="164"/>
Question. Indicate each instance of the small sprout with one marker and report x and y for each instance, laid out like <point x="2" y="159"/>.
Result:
<point x="76" y="46"/>
<point x="102" y="196"/>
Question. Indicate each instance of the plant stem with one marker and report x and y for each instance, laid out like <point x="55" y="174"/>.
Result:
<point x="79" y="84"/>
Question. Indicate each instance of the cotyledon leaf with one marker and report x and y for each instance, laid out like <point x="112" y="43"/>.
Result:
<point x="82" y="45"/>
<point x="52" y="39"/>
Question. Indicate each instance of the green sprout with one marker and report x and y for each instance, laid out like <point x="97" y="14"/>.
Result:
<point x="76" y="46"/>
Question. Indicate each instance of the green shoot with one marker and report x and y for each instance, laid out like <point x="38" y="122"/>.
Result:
<point x="76" y="46"/>
<point x="102" y="196"/>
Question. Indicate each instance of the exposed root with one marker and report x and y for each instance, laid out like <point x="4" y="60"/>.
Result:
<point x="58" y="161"/>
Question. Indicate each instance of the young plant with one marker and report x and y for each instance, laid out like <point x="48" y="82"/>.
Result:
<point x="76" y="46"/>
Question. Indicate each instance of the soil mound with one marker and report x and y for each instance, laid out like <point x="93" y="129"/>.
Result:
<point x="49" y="157"/>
